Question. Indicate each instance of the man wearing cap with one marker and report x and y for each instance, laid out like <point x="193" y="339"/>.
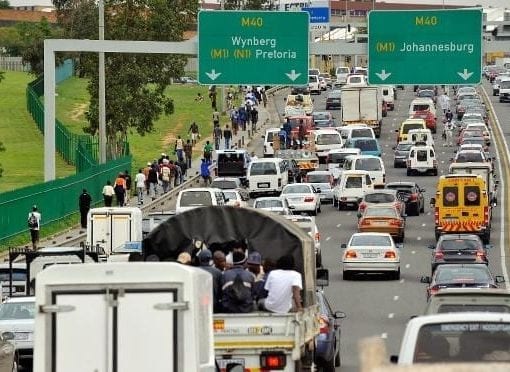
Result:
<point x="254" y="265"/>
<point x="205" y="260"/>
<point x="34" y="224"/>
<point x="229" y="286"/>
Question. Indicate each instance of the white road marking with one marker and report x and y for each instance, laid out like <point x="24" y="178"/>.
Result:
<point x="402" y="281"/>
<point x="408" y="266"/>
<point x="391" y="315"/>
<point x="339" y="225"/>
<point x="418" y="238"/>
<point x="349" y="213"/>
<point x="413" y="252"/>
<point x="429" y="213"/>
<point x="329" y="237"/>
<point x="424" y="224"/>
<point x="395" y="298"/>
<point x="384" y="335"/>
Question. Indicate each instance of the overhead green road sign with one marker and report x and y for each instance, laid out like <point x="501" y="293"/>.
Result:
<point x="253" y="48"/>
<point x="425" y="46"/>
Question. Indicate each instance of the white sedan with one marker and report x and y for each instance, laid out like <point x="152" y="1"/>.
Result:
<point x="371" y="252"/>
<point x="234" y="198"/>
<point x="302" y="197"/>
<point x="273" y="204"/>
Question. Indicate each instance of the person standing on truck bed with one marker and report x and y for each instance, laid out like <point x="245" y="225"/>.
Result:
<point x="34" y="224"/>
<point x="283" y="288"/>
<point x="205" y="261"/>
<point x="84" y="202"/>
<point x="237" y="286"/>
<point x="219" y="260"/>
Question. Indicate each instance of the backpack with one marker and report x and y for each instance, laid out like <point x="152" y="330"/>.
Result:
<point x="239" y="292"/>
<point x="32" y="221"/>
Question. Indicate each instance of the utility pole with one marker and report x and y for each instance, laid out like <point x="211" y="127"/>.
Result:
<point x="102" y="91"/>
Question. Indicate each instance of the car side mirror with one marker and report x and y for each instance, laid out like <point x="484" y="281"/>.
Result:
<point x="263" y="136"/>
<point x="432" y="202"/>
<point x="291" y="207"/>
<point x="343" y="246"/>
<point x="359" y="214"/>
<point x="394" y="359"/>
<point x="399" y="245"/>
<point x="488" y="246"/>
<point x="396" y="130"/>
<point x="394" y="147"/>
<point x="425" y="279"/>
<point x="499" y="279"/>
<point x="339" y="315"/>
<point x="322" y="277"/>
<point x="431" y="246"/>
<point x="317" y="191"/>
<point x="7" y="336"/>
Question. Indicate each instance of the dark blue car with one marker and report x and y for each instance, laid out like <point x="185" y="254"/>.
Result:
<point x="327" y="348"/>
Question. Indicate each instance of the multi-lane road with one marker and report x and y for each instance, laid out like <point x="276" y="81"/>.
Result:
<point x="373" y="304"/>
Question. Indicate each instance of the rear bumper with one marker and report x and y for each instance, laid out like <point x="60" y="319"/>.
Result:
<point x="371" y="266"/>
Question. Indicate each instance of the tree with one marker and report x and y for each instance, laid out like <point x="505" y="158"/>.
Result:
<point x="244" y="4"/>
<point x="10" y="39"/>
<point x="135" y="83"/>
<point x="4" y="4"/>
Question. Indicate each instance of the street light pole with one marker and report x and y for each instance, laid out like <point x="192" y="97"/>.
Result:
<point x="102" y="91"/>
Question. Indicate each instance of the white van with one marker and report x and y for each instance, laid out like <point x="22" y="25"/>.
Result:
<point x="421" y="104"/>
<point x="351" y="188"/>
<point x="336" y="158"/>
<point x="325" y="140"/>
<point x="357" y="80"/>
<point x="370" y="163"/>
<point x="354" y="131"/>
<point x="314" y="85"/>
<point x="423" y="136"/>
<point x="388" y="94"/>
<point x="267" y="176"/>
<point x="271" y="134"/>
<point x="421" y="159"/>
<point x="195" y="197"/>
<point x="341" y="73"/>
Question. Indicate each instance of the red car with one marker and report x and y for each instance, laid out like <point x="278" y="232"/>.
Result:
<point x="429" y="117"/>
<point x="295" y="121"/>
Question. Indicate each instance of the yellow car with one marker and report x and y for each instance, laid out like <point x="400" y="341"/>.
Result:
<point x="407" y="125"/>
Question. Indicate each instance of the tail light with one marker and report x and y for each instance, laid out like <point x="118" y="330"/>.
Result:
<point x="272" y="361"/>
<point x="362" y="207"/>
<point x="413" y="197"/>
<point x="395" y="222"/>
<point x="364" y="222"/>
<point x="433" y="291"/>
<point x="480" y="254"/>
<point x="408" y="162"/>
<point x="436" y="216"/>
<point x="324" y="324"/>
<point x="317" y="237"/>
<point x="434" y="163"/>
<point x="343" y="198"/>
<point x="438" y="255"/>
<point x="309" y="199"/>
<point x="390" y="254"/>
<point x="351" y="254"/>
<point x="486" y="216"/>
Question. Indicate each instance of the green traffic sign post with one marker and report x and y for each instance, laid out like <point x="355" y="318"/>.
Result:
<point x="253" y="48"/>
<point x="425" y="46"/>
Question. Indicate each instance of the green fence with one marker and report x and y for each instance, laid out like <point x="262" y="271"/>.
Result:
<point x="55" y="199"/>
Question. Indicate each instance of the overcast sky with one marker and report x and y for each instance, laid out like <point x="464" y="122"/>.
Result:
<point x="484" y="3"/>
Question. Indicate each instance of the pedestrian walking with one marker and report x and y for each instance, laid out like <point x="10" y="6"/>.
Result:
<point x="254" y="118"/>
<point x="217" y="135"/>
<point x="146" y="174"/>
<point x="84" y="202"/>
<point x="108" y="194"/>
<point x="140" y="185"/>
<point x="208" y="149"/>
<point x="179" y="148"/>
<point x="188" y="151"/>
<point x="153" y="182"/>
<point x="444" y="102"/>
<point x="216" y="118"/>
<point x="195" y="135"/>
<point x="165" y="174"/>
<point x="449" y="134"/>
<point x="120" y="191"/>
<point x="205" y="173"/>
<point x="184" y="168"/>
<point x="227" y="135"/>
<point x="34" y="224"/>
<point x="127" y="177"/>
<point x="449" y="116"/>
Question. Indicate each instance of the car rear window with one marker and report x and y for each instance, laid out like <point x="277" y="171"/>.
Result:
<point x="379" y="198"/>
<point x="369" y="164"/>
<point x="471" y="196"/>
<point x="328" y="139"/>
<point x="268" y="203"/>
<point x="407" y="127"/>
<point x="462" y="308"/>
<point x="421" y="155"/>
<point x="224" y="184"/>
<point x="450" y="196"/>
<point x="263" y="168"/>
<point x="354" y="182"/>
<point x="195" y="198"/>
<point x="380" y="212"/>
<point x="318" y="178"/>
<point x="269" y="137"/>
<point x="457" y="244"/>
<point x="363" y="132"/>
<point x="371" y="241"/>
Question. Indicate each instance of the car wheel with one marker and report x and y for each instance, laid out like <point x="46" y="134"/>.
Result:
<point x="347" y="275"/>
<point x="326" y="366"/>
<point x="401" y="237"/>
<point x="486" y="237"/>
<point x="313" y="213"/>
<point x="340" y="206"/>
<point x="422" y="209"/>
<point x="416" y="210"/>
<point x="395" y="164"/>
<point x="319" y="209"/>
<point x="334" y="202"/>
<point x="396" y="274"/>
<point x="338" y="359"/>
<point x="408" y="172"/>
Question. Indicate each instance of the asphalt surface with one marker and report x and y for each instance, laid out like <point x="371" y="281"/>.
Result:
<point x="374" y="305"/>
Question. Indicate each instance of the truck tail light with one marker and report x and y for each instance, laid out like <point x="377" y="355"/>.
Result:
<point x="351" y="254"/>
<point x="433" y="291"/>
<point x="480" y="254"/>
<point x="436" y="216"/>
<point x="486" y="216"/>
<point x="324" y="324"/>
<point x="272" y="361"/>
<point x="390" y="254"/>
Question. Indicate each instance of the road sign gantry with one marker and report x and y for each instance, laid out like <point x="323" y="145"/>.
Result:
<point x="253" y="47"/>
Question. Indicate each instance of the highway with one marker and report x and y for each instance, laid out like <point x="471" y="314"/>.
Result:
<point x="374" y="305"/>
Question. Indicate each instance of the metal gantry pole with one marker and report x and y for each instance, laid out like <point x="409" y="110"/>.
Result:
<point x="102" y="91"/>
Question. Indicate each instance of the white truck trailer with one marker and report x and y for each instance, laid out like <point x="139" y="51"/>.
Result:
<point x="250" y="341"/>
<point x="362" y="105"/>
<point x="124" y="317"/>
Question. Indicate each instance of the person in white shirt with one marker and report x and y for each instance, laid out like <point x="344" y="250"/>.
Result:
<point x="140" y="185"/>
<point x="283" y="286"/>
<point x="34" y="224"/>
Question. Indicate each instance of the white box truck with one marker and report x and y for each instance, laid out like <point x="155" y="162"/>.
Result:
<point x="362" y="105"/>
<point x="124" y="317"/>
<point x="111" y="228"/>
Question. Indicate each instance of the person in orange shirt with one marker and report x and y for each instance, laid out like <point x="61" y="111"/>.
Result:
<point x="120" y="189"/>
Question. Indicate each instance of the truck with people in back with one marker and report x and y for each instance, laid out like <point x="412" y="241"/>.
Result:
<point x="362" y="105"/>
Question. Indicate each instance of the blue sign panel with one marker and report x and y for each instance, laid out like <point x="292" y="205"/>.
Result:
<point x="318" y="15"/>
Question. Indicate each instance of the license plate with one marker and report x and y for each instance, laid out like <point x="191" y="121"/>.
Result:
<point x="378" y="223"/>
<point x="335" y="100"/>
<point x="294" y="200"/>
<point x="264" y="185"/>
<point x="21" y="336"/>
<point x="224" y="363"/>
<point x="422" y="169"/>
<point x="370" y="255"/>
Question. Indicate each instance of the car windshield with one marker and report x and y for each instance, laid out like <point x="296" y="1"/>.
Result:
<point x="459" y="244"/>
<point x="464" y="274"/>
<point x="18" y="275"/>
<point x="404" y="146"/>
<point x="371" y="241"/>
<point x="463" y="341"/>
<point x="362" y="132"/>
<point x="224" y="184"/>
<point x="339" y="158"/>
<point x="231" y="195"/>
<point x="297" y="189"/>
<point x="474" y="141"/>
<point x="380" y="212"/>
<point x="369" y="164"/>
<point x="365" y="144"/>
<point x="262" y="168"/>
<point x="407" y="127"/>
<point x="17" y="310"/>
<point x="399" y="187"/>
<point x="505" y="84"/>
<point x="321" y="115"/>
<point x="471" y="157"/>
<point x="271" y="203"/>
<point x="269" y="136"/>
<point x="328" y="139"/>
<point x="318" y="178"/>
<point x="355" y="79"/>
<point x="195" y="198"/>
<point x="379" y="198"/>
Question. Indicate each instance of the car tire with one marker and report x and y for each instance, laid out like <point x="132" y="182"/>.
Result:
<point x="340" y="206"/>
<point x="486" y="237"/>
<point x="395" y="164"/>
<point x="338" y="359"/>
<point x="408" y="172"/>
<point x="396" y="275"/>
<point x="434" y="172"/>
<point x="347" y="275"/>
<point x="318" y="260"/>
<point x="326" y="365"/>
<point x="319" y="210"/>
<point x="422" y="209"/>
<point x="334" y="202"/>
<point x="313" y="213"/>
